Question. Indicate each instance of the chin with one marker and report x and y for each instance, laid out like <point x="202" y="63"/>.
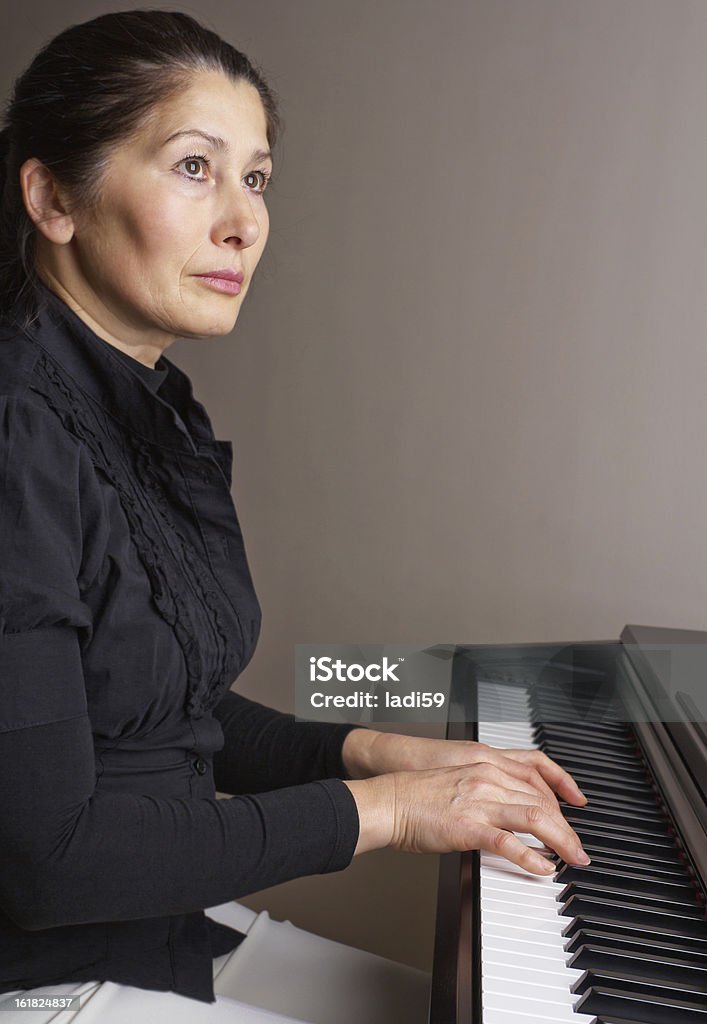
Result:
<point x="213" y="325"/>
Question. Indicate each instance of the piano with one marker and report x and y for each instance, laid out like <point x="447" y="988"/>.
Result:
<point x="623" y="940"/>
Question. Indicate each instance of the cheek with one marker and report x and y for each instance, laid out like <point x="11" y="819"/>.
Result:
<point x="264" y="225"/>
<point x="152" y="229"/>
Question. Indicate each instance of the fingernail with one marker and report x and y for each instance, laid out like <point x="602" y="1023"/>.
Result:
<point x="546" y="869"/>
<point x="581" y="856"/>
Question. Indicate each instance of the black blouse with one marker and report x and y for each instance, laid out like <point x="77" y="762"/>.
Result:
<point x="127" y="610"/>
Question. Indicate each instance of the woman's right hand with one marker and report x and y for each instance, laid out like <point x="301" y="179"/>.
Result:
<point x="468" y="807"/>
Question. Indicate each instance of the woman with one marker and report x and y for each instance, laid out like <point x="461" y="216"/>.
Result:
<point x="137" y="152"/>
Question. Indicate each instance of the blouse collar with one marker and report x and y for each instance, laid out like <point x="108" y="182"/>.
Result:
<point x="172" y="418"/>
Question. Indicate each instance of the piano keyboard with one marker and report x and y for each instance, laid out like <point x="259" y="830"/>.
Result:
<point x="621" y="941"/>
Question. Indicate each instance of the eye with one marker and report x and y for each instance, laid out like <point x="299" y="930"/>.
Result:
<point x="191" y="163"/>
<point x="254" y="177"/>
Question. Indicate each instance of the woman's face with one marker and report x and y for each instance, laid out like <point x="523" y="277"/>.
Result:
<point x="176" y="205"/>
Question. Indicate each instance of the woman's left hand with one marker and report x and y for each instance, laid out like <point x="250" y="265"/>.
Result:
<point x="367" y="752"/>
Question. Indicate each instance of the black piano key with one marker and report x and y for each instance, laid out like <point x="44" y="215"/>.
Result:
<point x="583" y="737"/>
<point x="615" y="840"/>
<point x="626" y="777"/>
<point x="579" y="761"/>
<point x="598" y="752"/>
<point x="686" y="950"/>
<point x="667" y="856"/>
<point x="594" y="756"/>
<point x="586" y="739"/>
<point x="606" y="746"/>
<point x="645" y="926"/>
<point x="606" y="780"/>
<point x="542" y="715"/>
<point x="604" y="1019"/>
<point x="647" y="964"/>
<point x="597" y="908"/>
<point x="562" y="723"/>
<point x="646" y="868"/>
<point x="659" y="899"/>
<point x="570" y="687"/>
<point x="625" y="881"/>
<point x="637" y="998"/>
<point x="626" y="981"/>
<point x="586" y="760"/>
<point x="632" y="803"/>
<point x="563" y="716"/>
<point x="609" y="784"/>
<point x="638" y="1010"/>
<point x="616" y="819"/>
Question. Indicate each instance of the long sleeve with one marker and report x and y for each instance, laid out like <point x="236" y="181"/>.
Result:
<point x="266" y="749"/>
<point x="70" y="853"/>
<point x="71" y="856"/>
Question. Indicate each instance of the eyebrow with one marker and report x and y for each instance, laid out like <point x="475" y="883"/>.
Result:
<point x="217" y="142"/>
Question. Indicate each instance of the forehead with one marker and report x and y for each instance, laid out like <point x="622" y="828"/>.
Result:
<point x="213" y="103"/>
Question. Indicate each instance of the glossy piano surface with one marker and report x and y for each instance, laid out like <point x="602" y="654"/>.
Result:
<point x="624" y="939"/>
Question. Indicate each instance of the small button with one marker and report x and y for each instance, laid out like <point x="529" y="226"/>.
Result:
<point x="201" y="766"/>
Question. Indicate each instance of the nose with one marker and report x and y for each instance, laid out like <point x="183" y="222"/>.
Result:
<point x="238" y="221"/>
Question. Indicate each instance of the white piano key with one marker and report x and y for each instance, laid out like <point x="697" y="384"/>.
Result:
<point x="519" y="970"/>
<point x="515" y="898"/>
<point x="525" y="1016"/>
<point x="514" y="722"/>
<point x="504" y="708"/>
<point x="512" y="713"/>
<point x="525" y="978"/>
<point x="506" y="882"/>
<point x="501" y="912"/>
<point x="510" y="893"/>
<point x="512" y="741"/>
<point x="515" y="713"/>
<point x="530" y="840"/>
<point x="526" y="939"/>
<point x="540" y="901"/>
<point x="519" y="883"/>
<point x="505" y="987"/>
<point x="507" y="732"/>
<point x="537" y="1003"/>
<point x="514" y="879"/>
<point x="494" y="860"/>
<point x="527" y="947"/>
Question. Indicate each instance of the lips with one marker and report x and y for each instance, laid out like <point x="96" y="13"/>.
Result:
<point x="225" y="275"/>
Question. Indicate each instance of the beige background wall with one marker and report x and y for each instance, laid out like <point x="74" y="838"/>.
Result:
<point x="467" y="391"/>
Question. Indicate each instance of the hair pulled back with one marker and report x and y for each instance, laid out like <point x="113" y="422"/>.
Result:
<point x="89" y="89"/>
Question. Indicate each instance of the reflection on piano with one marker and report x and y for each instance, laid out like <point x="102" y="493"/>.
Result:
<point x="625" y="938"/>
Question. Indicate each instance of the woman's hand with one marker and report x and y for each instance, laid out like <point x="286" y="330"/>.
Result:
<point x="437" y="796"/>
<point x="367" y="752"/>
<point x="468" y="807"/>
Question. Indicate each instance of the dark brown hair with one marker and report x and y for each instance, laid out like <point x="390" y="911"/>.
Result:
<point x="89" y="89"/>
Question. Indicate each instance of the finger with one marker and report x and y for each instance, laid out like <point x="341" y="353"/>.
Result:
<point x="509" y="846"/>
<point x="478" y="753"/>
<point x="532" y="819"/>
<point x="508" y="795"/>
<point x="524" y="770"/>
<point x="505" y="774"/>
<point x="556" y="777"/>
